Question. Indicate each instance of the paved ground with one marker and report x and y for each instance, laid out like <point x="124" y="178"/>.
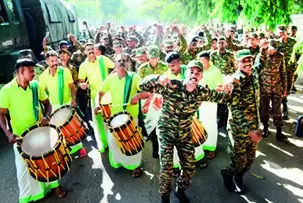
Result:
<point x="276" y="175"/>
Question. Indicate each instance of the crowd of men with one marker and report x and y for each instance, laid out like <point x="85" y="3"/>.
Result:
<point x="165" y="74"/>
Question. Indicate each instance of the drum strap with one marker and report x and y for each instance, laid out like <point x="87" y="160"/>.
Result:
<point x="60" y="84"/>
<point x="198" y="114"/>
<point x="127" y="89"/>
<point x="183" y="69"/>
<point x="102" y="68"/>
<point x="34" y="87"/>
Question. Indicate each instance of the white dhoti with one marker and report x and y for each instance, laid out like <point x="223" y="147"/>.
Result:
<point x="99" y="127"/>
<point x="208" y="117"/>
<point x="29" y="188"/>
<point x="118" y="159"/>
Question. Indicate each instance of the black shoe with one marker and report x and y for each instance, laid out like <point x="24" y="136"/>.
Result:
<point x="241" y="188"/>
<point x="285" y="116"/>
<point x="223" y="131"/>
<point x="265" y="132"/>
<point x="228" y="181"/>
<point x="293" y="90"/>
<point x="181" y="196"/>
<point x="165" y="198"/>
<point x="280" y="137"/>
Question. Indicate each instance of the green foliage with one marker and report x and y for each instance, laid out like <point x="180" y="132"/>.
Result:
<point x="268" y="12"/>
<point x="254" y="12"/>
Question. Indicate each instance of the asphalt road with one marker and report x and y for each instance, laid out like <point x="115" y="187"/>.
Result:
<point x="276" y="175"/>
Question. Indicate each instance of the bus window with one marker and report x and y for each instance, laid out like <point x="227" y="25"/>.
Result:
<point x="11" y="7"/>
<point x="3" y="14"/>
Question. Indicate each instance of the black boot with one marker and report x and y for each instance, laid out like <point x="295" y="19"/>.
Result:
<point x="228" y="180"/>
<point x="165" y="198"/>
<point x="155" y="144"/>
<point x="284" y="110"/>
<point x="180" y="194"/>
<point x="280" y="137"/>
<point x="265" y="130"/>
<point x="239" y="182"/>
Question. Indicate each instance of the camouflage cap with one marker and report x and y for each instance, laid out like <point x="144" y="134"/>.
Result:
<point x="132" y="38"/>
<point x="244" y="53"/>
<point x="195" y="63"/>
<point x="168" y="43"/>
<point x="274" y="43"/>
<point x="117" y="43"/>
<point x="154" y="52"/>
<point x="282" y="28"/>
<point x="24" y="62"/>
<point x="62" y="43"/>
<point x="140" y="51"/>
<point x="65" y="52"/>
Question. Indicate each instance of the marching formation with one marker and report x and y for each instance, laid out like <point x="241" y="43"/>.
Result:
<point x="178" y="87"/>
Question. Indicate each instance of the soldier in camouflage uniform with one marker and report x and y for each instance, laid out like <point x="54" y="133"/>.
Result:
<point x="224" y="60"/>
<point x="193" y="50"/>
<point x="181" y="100"/>
<point x="286" y="47"/>
<point x="273" y="85"/>
<point x="65" y="62"/>
<point x="245" y="122"/>
<point x="252" y="44"/>
<point x="140" y="57"/>
<point x="154" y="66"/>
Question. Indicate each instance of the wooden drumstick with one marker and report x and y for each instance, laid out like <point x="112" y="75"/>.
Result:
<point x="125" y="138"/>
<point x="196" y="130"/>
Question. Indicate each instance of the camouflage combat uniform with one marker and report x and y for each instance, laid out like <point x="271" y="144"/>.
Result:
<point x="272" y="76"/>
<point x="179" y="107"/>
<point x="146" y="69"/>
<point x="244" y="105"/>
<point x="286" y="49"/>
<point x="225" y="62"/>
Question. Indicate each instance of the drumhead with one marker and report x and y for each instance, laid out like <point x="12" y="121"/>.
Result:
<point x="39" y="141"/>
<point x="119" y="120"/>
<point x="106" y="99"/>
<point x="60" y="116"/>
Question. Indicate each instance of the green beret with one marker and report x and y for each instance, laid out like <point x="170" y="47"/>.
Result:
<point x="154" y="52"/>
<point x="282" y="28"/>
<point x="140" y="51"/>
<point x="195" y="63"/>
<point x="244" y="53"/>
<point x="168" y="43"/>
<point x="274" y="43"/>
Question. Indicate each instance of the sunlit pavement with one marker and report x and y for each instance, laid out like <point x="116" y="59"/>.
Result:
<point x="276" y="175"/>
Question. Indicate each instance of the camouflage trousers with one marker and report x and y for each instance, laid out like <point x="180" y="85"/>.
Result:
<point x="290" y="77"/>
<point x="185" y="149"/>
<point x="275" y="100"/>
<point x="244" y="153"/>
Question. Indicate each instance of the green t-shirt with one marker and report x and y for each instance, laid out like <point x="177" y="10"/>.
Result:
<point x="212" y="77"/>
<point x="115" y="86"/>
<point x="19" y="103"/>
<point x="91" y="71"/>
<point x="50" y="84"/>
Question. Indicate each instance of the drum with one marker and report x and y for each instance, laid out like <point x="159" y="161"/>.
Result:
<point x="105" y="106"/>
<point x="70" y="124"/>
<point x="198" y="132"/>
<point x="45" y="153"/>
<point x="128" y="136"/>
